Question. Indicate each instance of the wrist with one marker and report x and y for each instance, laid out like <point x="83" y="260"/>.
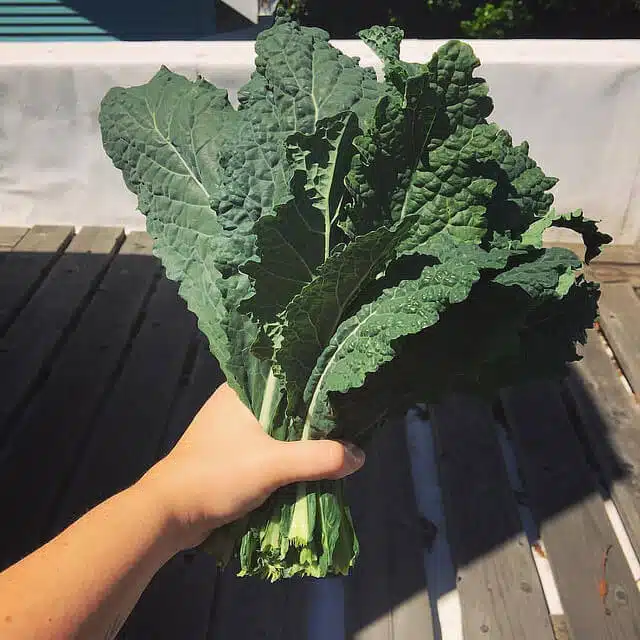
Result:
<point x="154" y="501"/>
<point x="161" y="485"/>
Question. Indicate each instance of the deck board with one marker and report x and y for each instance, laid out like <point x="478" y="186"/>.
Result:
<point x="252" y="609"/>
<point x="184" y="588"/>
<point x="10" y="236"/>
<point x="571" y="516"/>
<point x="560" y="627"/>
<point x="43" y="451"/>
<point x="500" y="591"/>
<point x="610" y="417"/>
<point x="28" y="347"/>
<point x="620" y="322"/>
<point x="206" y="376"/>
<point x="409" y="602"/>
<point x="127" y="435"/>
<point x="616" y="263"/>
<point x="367" y="589"/>
<point x="24" y="268"/>
<point x="387" y="596"/>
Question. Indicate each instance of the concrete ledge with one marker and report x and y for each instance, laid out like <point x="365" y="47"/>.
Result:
<point x="576" y="102"/>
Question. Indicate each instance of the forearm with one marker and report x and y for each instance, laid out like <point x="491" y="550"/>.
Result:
<point x="85" y="582"/>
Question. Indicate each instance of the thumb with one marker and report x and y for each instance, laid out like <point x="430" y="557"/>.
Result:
<point x="318" y="460"/>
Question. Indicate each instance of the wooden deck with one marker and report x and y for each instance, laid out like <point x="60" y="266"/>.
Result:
<point x="102" y="367"/>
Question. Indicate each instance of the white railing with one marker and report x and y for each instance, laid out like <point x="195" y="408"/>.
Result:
<point x="576" y="102"/>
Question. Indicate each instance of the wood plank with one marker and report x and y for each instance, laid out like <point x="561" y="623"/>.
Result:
<point x="410" y="605"/>
<point x="177" y="603"/>
<point x="41" y="454"/>
<point x="23" y="269"/>
<point x="500" y="591"/>
<point x="10" y="236"/>
<point x="183" y="590"/>
<point x="387" y="595"/>
<point x="611" y="253"/>
<point x="616" y="263"/>
<point x="620" y="322"/>
<point x="614" y="273"/>
<point x="620" y="253"/>
<point x="571" y="517"/>
<point x="30" y="345"/>
<point x="610" y="418"/>
<point x="560" y="627"/>
<point x="368" y="589"/>
<point x="254" y="609"/>
<point x="205" y="379"/>
<point x="127" y="435"/>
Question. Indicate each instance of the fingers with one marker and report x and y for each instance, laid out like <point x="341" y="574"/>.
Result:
<point x="317" y="460"/>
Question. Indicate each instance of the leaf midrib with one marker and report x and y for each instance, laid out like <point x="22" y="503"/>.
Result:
<point x="170" y="144"/>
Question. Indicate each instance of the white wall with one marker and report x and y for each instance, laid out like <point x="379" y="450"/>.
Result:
<point x="576" y="102"/>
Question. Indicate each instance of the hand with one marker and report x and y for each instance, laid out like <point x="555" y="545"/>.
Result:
<point x="225" y="465"/>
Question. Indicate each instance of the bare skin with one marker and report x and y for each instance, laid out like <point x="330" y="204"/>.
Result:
<point x="85" y="582"/>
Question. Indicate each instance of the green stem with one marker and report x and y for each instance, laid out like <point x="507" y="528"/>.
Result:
<point x="306" y="431"/>
<point x="268" y="398"/>
<point x="300" y="529"/>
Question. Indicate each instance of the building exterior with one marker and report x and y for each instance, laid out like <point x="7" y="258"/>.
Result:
<point x="55" y="20"/>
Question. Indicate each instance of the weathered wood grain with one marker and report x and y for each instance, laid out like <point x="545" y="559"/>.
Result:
<point x="571" y="517"/>
<point x="610" y="418"/>
<point x="500" y="592"/>
<point x="620" y="322"/>
<point x="10" y="236"/>
<point x="616" y="263"/>
<point x="560" y="627"/>
<point x="387" y="596"/>
<point x="611" y="253"/>
<point x="409" y="602"/>
<point x="614" y="273"/>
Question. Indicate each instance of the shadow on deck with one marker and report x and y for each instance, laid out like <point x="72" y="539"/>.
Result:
<point x="102" y="368"/>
